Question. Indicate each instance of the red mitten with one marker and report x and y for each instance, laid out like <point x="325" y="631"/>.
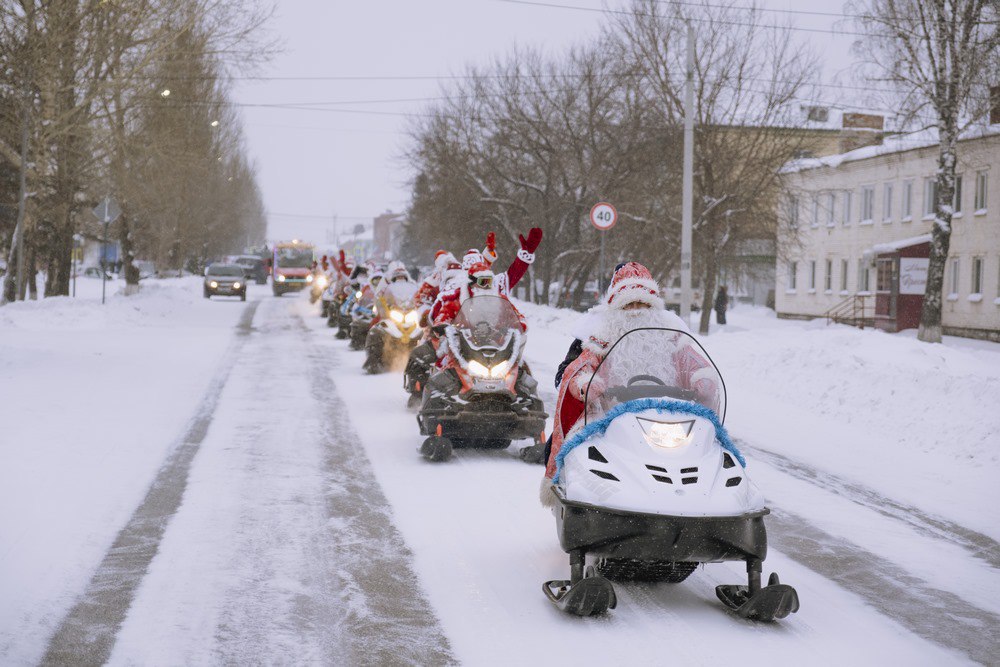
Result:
<point x="490" y="253"/>
<point x="534" y="239"/>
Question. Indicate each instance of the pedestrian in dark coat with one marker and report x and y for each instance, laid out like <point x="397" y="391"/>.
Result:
<point x="721" y="304"/>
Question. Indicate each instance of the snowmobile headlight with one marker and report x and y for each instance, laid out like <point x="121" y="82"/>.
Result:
<point x="500" y="370"/>
<point x="413" y="317"/>
<point x="396" y="316"/>
<point x="321" y="281"/>
<point x="214" y="284"/>
<point x="668" y="435"/>
<point x="478" y="369"/>
<point x="357" y="295"/>
<point x="309" y="278"/>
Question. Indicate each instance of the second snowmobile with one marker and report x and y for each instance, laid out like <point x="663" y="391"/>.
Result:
<point x="483" y="396"/>
<point x="397" y="329"/>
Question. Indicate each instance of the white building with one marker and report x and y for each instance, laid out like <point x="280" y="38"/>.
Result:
<point x="856" y="227"/>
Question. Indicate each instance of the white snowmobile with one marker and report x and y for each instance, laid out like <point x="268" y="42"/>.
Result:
<point x="651" y="485"/>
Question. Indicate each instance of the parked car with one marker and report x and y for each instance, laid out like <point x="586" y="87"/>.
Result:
<point x="254" y="267"/>
<point x="225" y="280"/>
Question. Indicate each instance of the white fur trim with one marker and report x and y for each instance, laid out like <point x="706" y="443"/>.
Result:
<point x="525" y="256"/>
<point x="545" y="495"/>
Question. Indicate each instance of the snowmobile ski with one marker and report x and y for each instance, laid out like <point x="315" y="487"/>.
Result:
<point x="590" y="596"/>
<point x="770" y="603"/>
<point x="436" y="448"/>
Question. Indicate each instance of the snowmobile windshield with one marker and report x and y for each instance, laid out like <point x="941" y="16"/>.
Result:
<point x="657" y="364"/>
<point x="487" y="321"/>
<point x="401" y="295"/>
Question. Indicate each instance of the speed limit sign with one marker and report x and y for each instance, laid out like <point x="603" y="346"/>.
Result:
<point x="603" y="216"/>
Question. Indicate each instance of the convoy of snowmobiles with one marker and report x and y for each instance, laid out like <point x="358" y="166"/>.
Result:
<point x="641" y="475"/>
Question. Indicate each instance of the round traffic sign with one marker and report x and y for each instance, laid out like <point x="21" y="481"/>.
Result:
<point x="603" y="216"/>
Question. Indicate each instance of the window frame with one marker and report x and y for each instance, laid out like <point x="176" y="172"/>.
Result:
<point x="981" y="200"/>
<point x="843" y="276"/>
<point x="867" y="205"/>
<point x="930" y="197"/>
<point x="954" y="277"/>
<point x="793" y="270"/>
<point x="887" y="193"/>
<point x="956" y="199"/>
<point x="907" y="201"/>
<point x="812" y="276"/>
<point x="848" y="200"/>
<point x="978" y="265"/>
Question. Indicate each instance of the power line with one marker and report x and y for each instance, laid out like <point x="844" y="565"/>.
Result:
<point x="825" y="31"/>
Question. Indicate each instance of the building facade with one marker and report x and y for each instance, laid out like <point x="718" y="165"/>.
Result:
<point x="855" y="230"/>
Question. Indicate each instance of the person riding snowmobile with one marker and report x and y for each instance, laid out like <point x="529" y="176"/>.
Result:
<point x="633" y="301"/>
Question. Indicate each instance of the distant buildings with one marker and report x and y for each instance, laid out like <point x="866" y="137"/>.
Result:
<point x="856" y="229"/>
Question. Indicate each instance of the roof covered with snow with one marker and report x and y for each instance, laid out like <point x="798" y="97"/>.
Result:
<point x="895" y="143"/>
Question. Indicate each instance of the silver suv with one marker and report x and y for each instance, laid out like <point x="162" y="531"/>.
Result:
<point x="225" y="280"/>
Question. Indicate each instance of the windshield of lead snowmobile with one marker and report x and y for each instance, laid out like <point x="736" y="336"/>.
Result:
<point x="487" y="321"/>
<point x="655" y="363"/>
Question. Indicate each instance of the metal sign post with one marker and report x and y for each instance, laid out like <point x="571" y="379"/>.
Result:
<point x="603" y="216"/>
<point x="107" y="212"/>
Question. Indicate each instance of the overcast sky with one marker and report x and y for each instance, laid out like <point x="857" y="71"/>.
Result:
<point x="336" y="157"/>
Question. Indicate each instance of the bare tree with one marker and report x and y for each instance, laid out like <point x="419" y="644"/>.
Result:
<point x="937" y="56"/>
<point x="748" y="79"/>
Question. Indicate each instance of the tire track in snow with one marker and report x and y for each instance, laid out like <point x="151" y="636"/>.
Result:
<point x="386" y="618"/>
<point x="87" y="635"/>
<point x="978" y="545"/>
<point x="939" y="616"/>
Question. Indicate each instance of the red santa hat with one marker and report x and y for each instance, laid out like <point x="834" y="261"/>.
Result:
<point x="444" y="260"/>
<point x="633" y="283"/>
<point x="471" y="258"/>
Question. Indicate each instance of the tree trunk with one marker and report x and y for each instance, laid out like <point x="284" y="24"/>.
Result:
<point x="711" y="268"/>
<point x="128" y="255"/>
<point x="930" y="330"/>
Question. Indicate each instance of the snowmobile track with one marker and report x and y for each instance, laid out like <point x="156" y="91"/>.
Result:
<point x="939" y="616"/>
<point x="978" y="545"/>
<point x="87" y="634"/>
<point x="373" y="563"/>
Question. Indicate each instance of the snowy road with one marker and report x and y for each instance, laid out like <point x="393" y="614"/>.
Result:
<point x="295" y="523"/>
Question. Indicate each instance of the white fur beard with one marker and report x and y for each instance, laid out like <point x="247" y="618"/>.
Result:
<point x="616" y="323"/>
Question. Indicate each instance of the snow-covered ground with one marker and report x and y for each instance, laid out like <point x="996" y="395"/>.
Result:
<point x="877" y="453"/>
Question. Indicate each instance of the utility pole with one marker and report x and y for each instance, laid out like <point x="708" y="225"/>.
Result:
<point x="687" y="201"/>
<point x="22" y="202"/>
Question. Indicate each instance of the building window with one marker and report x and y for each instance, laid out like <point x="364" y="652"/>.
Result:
<point x="812" y="275"/>
<point x="815" y="218"/>
<point x="907" y="200"/>
<point x="977" y="275"/>
<point x="867" y="203"/>
<point x="843" y="275"/>
<point x="981" y="191"/>
<point x="793" y="269"/>
<point x="883" y="275"/>
<point x="956" y="202"/>
<point x="830" y="202"/>
<point x="887" y="203"/>
<point x="793" y="211"/>
<point x="862" y="276"/>
<point x="848" y="206"/>
<point x="828" y="277"/>
<point x="953" y="279"/>
<point x="930" y="196"/>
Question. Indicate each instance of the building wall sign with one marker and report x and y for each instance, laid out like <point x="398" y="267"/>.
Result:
<point x="913" y="275"/>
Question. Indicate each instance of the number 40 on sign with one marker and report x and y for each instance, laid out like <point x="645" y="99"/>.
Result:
<point x="603" y="216"/>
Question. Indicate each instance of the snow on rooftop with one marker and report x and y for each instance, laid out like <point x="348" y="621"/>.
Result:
<point x="900" y="244"/>
<point x="894" y="143"/>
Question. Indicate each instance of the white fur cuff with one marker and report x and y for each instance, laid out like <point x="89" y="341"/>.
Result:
<point x="525" y="256"/>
